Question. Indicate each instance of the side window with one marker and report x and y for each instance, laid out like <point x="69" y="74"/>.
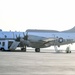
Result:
<point x="0" y="43"/>
<point x="3" y="43"/>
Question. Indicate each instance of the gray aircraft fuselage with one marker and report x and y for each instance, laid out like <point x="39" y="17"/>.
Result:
<point x="61" y="38"/>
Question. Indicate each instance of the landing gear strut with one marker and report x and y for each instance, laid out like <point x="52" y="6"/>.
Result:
<point x="37" y="49"/>
<point x="68" y="49"/>
<point x="23" y="49"/>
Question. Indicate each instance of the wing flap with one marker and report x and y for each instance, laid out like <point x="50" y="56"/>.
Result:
<point x="48" y="39"/>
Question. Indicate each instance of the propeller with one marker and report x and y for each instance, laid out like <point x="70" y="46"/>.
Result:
<point x="25" y="36"/>
<point x="18" y="38"/>
<point x="22" y="40"/>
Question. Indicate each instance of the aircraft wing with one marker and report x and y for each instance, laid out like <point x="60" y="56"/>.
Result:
<point x="39" y="39"/>
<point x="48" y="39"/>
<point x="40" y="42"/>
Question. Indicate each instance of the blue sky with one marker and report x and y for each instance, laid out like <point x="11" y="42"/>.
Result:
<point x="20" y="15"/>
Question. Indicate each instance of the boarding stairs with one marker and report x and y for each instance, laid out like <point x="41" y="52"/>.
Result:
<point x="14" y="45"/>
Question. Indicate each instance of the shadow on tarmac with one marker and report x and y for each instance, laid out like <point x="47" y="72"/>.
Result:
<point x="33" y="51"/>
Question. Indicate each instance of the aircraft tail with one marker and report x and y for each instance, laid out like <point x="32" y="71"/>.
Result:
<point x="70" y="30"/>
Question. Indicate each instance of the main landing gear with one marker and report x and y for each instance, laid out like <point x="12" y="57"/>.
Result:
<point x="23" y="49"/>
<point x="37" y="49"/>
<point x="68" y="49"/>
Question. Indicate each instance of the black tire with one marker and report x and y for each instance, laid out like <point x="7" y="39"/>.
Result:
<point x="2" y="49"/>
<point x="67" y="52"/>
<point x="37" y="50"/>
<point x="70" y="52"/>
<point x="23" y="49"/>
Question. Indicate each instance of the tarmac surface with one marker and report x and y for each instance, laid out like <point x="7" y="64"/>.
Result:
<point x="32" y="63"/>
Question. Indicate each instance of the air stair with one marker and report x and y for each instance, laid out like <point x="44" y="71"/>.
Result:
<point x="14" y="45"/>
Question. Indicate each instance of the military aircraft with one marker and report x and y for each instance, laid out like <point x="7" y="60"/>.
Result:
<point x="43" y="38"/>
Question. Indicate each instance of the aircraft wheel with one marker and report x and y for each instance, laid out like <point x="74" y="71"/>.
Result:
<point x="37" y="50"/>
<point x="2" y="49"/>
<point x="23" y="49"/>
<point x="68" y="51"/>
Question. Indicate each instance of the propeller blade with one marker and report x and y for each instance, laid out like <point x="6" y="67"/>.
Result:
<point x="25" y="36"/>
<point x="18" y="38"/>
